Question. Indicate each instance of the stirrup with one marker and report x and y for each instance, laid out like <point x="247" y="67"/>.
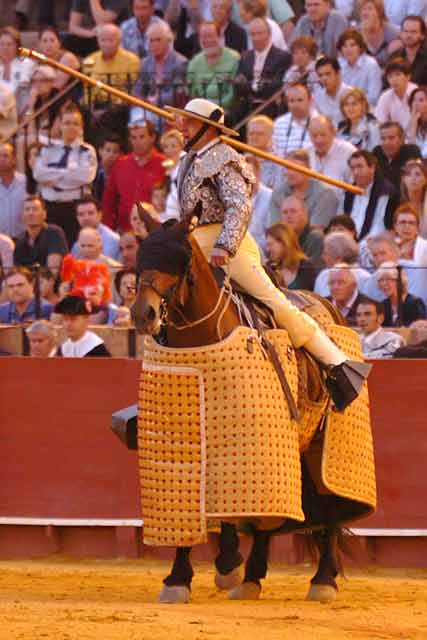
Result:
<point x="345" y="381"/>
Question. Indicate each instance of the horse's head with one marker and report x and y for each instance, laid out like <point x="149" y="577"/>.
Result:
<point x="163" y="261"/>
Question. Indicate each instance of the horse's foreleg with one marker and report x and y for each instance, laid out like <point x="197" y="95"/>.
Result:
<point x="323" y="584"/>
<point x="229" y="559"/>
<point x="255" y="568"/>
<point x="177" y="585"/>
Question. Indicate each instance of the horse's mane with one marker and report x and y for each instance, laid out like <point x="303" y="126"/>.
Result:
<point x="167" y="250"/>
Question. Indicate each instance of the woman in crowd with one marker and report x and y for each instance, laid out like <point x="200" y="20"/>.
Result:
<point x="137" y="218"/>
<point x="380" y="36"/>
<point x="16" y="72"/>
<point x="304" y="54"/>
<point x="358" y="69"/>
<point x="359" y="126"/>
<point x="50" y="45"/>
<point x="288" y="261"/>
<point x="125" y="285"/>
<point x="413" y="190"/>
<point x="406" y="226"/>
<point x="417" y="129"/>
<point x="172" y="145"/>
<point x="410" y="307"/>
<point x="49" y="286"/>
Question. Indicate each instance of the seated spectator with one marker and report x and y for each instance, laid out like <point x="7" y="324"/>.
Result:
<point x="21" y="306"/>
<point x="184" y="17"/>
<point x="129" y="247"/>
<point x="372" y="212"/>
<point x="51" y="46"/>
<point x="42" y="244"/>
<point x="339" y="248"/>
<point x="133" y="176"/>
<point x="134" y="30"/>
<point x="295" y="214"/>
<point x="15" y="71"/>
<point x="344" y="223"/>
<point x="392" y="153"/>
<point x="408" y="308"/>
<point x="345" y="294"/>
<point x="49" y="282"/>
<point x="261" y="69"/>
<point x="43" y="338"/>
<point x="327" y="96"/>
<point x="380" y="36"/>
<point x="259" y="134"/>
<point x="250" y="10"/>
<point x="323" y="23"/>
<point x="137" y="218"/>
<point x="65" y="173"/>
<point x="406" y="227"/>
<point x="8" y="113"/>
<point x="125" y="285"/>
<point x="261" y="198"/>
<point x="291" y="131"/>
<point x="357" y="68"/>
<point x="172" y="145"/>
<point x="393" y="103"/>
<point x="287" y="260"/>
<point x="90" y="248"/>
<point x="89" y="216"/>
<point x="211" y="72"/>
<point x="417" y="128"/>
<point x="158" y="200"/>
<point x="7" y="247"/>
<point x="12" y="192"/>
<point x="413" y="190"/>
<point x="417" y="349"/>
<point x="162" y="74"/>
<point x="382" y="248"/>
<point x="113" y="65"/>
<point x="302" y="69"/>
<point x="375" y="341"/>
<point x="320" y="200"/>
<point x="232" y="34"/>
<point x="108" y="151"/>
<point x="328" y="154"/>
<point x="413" y="36"/>
<point x="86" y="17"/>
<point x="80" y="343"/>
<point x="358" y="125"/>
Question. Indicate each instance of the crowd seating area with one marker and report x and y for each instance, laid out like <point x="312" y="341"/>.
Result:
<point x="340" y="88"/>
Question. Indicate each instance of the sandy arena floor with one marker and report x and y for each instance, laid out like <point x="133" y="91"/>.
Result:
<point x="66" y="600"/>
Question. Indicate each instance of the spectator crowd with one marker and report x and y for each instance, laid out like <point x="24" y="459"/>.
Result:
<point x="339" y="88"/>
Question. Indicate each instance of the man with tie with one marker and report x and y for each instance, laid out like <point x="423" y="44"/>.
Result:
<point x="65" y="172"/>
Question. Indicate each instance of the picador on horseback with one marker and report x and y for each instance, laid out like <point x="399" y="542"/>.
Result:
<point x="214" y="191"/>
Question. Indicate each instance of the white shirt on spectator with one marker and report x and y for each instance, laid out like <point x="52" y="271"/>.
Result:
<point x="365" y="75"/>
<point x="334" y="163"/>
<point x="380" y="343"/>
<point x="321" y="286"/>
<point x="328" y="106"/>
<point x="259" y="62"/>
<point x="290" y="134"/>
<point x="7" y="247"/>
<point x="12" y="201"/>
<point x="391" y="108"/>
<point x="260" y="217"/>
<point x="21" y="70"/>
<point x="345" y="310"/>
<point x="358" y="212"/>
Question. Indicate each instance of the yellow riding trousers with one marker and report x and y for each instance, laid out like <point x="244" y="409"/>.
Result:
<point x="246" y="269"/>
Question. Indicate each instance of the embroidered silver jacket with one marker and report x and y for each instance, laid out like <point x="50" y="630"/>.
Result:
<point x="220" y="181"/>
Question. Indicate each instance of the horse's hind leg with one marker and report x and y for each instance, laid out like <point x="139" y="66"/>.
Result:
<point x="255" y="568"/>
<point x="229" y="559"/>
<point x="323" y="584"/>
<point x="177" y="586"/>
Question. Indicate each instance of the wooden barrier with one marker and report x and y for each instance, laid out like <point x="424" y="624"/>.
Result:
<point x="64" y="474"/>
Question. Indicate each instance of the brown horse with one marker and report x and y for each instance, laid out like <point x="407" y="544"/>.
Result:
<point x="178" y="292"/>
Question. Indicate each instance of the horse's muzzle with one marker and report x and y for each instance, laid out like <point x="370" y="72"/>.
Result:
<point x="147" y="320"/>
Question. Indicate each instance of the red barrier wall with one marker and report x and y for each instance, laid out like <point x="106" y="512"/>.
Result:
<point x="58" y="457"/>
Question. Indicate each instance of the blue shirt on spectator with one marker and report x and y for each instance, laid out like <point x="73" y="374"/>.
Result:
<point x="10" y="315"/>
<point x="110" y="243"/>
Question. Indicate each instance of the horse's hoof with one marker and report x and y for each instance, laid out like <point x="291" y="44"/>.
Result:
<point x="321" y="593"/>
<point x="246" y="591"/>
<point x="230" y="580"/>
<point x="174" y="595"/>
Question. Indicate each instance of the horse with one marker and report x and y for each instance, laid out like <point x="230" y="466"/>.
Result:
<point x="178" y="292"/>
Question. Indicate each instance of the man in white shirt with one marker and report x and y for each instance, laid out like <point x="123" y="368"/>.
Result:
<point x="89" y="215"/>
<point x="261" y="198"/>
<point x="376" y="342"/>
<point x="42" y="337"/>
<point x="327" y="96"/>
<point x="372" y="212"/>
<point x="80" y="343"/>
<point x="291" y="131"/>
<point x="393" y="103"/>
<point x="259" y="133"/>
<point x="12" y="193"/>
<point x="328" y="154"/>
<point x="345" y="294"/>
<point x="339" y="247"/>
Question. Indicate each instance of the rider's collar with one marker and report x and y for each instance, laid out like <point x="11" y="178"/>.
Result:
<point x="207" y="146"/>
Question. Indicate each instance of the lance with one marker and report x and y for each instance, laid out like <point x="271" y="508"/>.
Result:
<point x="163" y="113"/>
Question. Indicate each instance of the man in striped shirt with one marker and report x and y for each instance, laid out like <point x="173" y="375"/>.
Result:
<point x="291" y="130"/>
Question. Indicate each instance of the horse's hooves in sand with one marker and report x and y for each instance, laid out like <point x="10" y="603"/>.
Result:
<point x="230" y="580"/>
<point x="246" y="591"/>
<point x="174" y="595"/>
<point x="321" y="593"/>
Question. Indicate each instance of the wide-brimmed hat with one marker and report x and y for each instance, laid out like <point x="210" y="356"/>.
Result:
<point x="205" y="111"/>
<point x="74" y="306"/>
